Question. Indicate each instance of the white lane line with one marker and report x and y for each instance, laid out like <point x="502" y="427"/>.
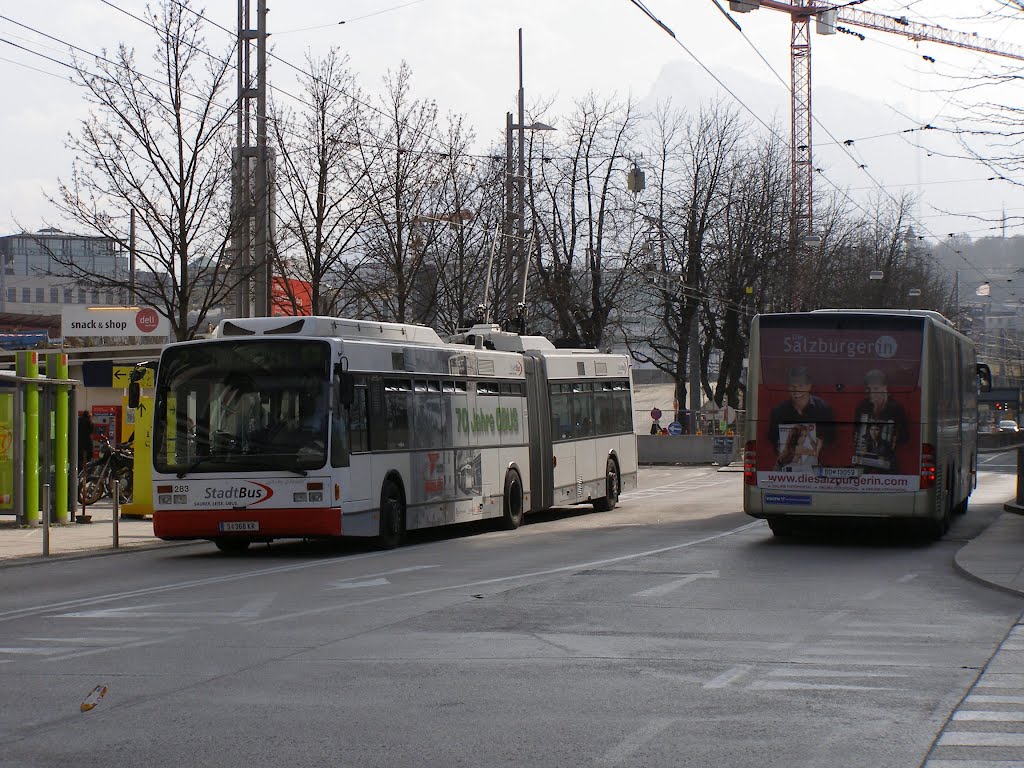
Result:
<point x="114" y="596"/>
<point x="830" y="673"/>
<point x="729" y="676"/>
<point x="1001" y="680"/>
<point x="984" y="698"/>
<point x="625" y="748"/>
<point x="989" y="716"/>
<point x="974" y="764"/>
<point x="980" y="739"/>
<point x="672" y="586"/>
<point x="782" y="685"/>
<point x="503" y="579"/>
<point x="32" y="651"/>
<point x="84" y="640"/>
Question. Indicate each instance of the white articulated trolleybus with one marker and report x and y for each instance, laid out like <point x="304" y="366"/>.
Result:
<point x="304" y="427"/>
<point x="861" y="413"/>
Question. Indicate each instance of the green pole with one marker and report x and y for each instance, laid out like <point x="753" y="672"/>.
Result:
<point x="27" y="364"/>
<point x="57" y="368"/>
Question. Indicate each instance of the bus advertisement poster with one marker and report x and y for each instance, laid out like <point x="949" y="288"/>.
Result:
<point x="839" y="409"/>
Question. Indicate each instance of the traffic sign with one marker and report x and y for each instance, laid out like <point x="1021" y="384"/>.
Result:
<point x="655" y="413"/>
<point x="675" y="428"/>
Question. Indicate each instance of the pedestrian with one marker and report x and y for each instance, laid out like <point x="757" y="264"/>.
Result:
<point x="85" y="429"/>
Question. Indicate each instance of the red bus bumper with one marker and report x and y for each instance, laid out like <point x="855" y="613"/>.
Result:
<point x="269" y="523"/>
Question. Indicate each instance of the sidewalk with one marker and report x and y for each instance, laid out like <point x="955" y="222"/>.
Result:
<point x="21" y="544"/>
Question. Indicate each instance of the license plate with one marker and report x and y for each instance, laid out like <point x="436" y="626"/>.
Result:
<point x="243" y="526"/>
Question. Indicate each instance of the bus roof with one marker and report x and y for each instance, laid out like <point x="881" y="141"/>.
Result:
<point x="328" y="327"/>
<point x="936" y="316"/>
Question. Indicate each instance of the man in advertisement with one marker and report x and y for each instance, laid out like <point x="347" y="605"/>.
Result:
<point x="801" y="426"/>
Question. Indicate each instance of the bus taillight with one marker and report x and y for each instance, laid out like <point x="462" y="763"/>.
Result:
<point x="750" y="463"/>
<point x="927" y="465"/>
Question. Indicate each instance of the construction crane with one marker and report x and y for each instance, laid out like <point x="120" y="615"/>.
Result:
<point x="801" y="12"/>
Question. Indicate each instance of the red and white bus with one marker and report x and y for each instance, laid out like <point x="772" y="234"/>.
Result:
<point x="860" y="413"/>
<point x="324" y="427"/>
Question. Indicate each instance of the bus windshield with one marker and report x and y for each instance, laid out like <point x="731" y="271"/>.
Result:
<point x="243" y="404"/>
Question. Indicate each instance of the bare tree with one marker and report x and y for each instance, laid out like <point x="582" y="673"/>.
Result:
<point x="694" y="203"/>
<point x="582" y="214"/>
<point x="459" y="234"/>
<point x="317" y="180"/>
<point x="750" y="242"/>
<point x="399" y="151"/>
<point x="156" y="144"/>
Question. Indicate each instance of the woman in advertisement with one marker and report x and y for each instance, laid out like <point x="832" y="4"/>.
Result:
<point x="880" y="424"/>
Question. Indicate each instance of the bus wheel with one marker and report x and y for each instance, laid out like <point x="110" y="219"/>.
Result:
<point x="232" y="546"/>
<point x="611" y="488"/>
<point x="392" y="516"/>
<point x="780" y="525"/>
<point x="935" y="529"/>
<point x="512" y="517"/>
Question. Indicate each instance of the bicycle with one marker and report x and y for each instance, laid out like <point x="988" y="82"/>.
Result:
<point x="96" y="479"/>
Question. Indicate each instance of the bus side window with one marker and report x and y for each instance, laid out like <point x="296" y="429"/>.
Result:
<point x="358" y="420"/>
<point x="397" y="397"/>
<point x="561" y="418"/>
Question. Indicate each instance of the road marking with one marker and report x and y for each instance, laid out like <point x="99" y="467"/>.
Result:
<point x="83" y="640"/>
<point x="356" y="584"/>
<point x="980" y="739"/>
<point x="727" y="677"/>
<point x="782" y="685"/>
<point x="830" y="673"/>
<point x="19" y="613"/>
<point x="984" y="698"/>
<point x="1001" y="717"/>
<point x="974" y="764"/>
<point x="515" y="577"/>
<point x="672" y="586"/>
<point x="32" y="651"/>
<point x="625" y="748"/>
<point x="1001" y="680"/>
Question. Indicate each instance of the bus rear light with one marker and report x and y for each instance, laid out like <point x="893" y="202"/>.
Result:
<point x="927" y="465"/>
<point x="554" y="461"/>
<point x="314" y="486"/>
<point x="750" y="463"/>
<point x="165" y="489"/>
<point x="337" y="492"/>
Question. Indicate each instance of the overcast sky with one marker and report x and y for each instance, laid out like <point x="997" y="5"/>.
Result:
<point x="463" y="53"/>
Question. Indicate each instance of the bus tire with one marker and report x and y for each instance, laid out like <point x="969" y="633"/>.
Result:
<point x="780" y="525"/>
<point x="232" y="546"/>
<point x="612" y="486"/>
<point x="936" y="528"/>
<point x="392" y="516"/>
<point x="512" y="506"/>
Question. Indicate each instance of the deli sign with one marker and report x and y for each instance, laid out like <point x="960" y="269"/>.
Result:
<point x="113" y="321"/>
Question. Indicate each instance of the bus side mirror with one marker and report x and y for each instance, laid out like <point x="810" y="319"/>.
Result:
<point x="134" y="392"/>
<point x="346" y="388"/>
<point x="984" y="378"/>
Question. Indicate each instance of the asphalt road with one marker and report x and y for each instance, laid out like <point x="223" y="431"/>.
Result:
<point x="672" y="631"/>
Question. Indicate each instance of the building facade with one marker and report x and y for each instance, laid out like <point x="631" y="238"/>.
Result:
<point x="35" y="278"/>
